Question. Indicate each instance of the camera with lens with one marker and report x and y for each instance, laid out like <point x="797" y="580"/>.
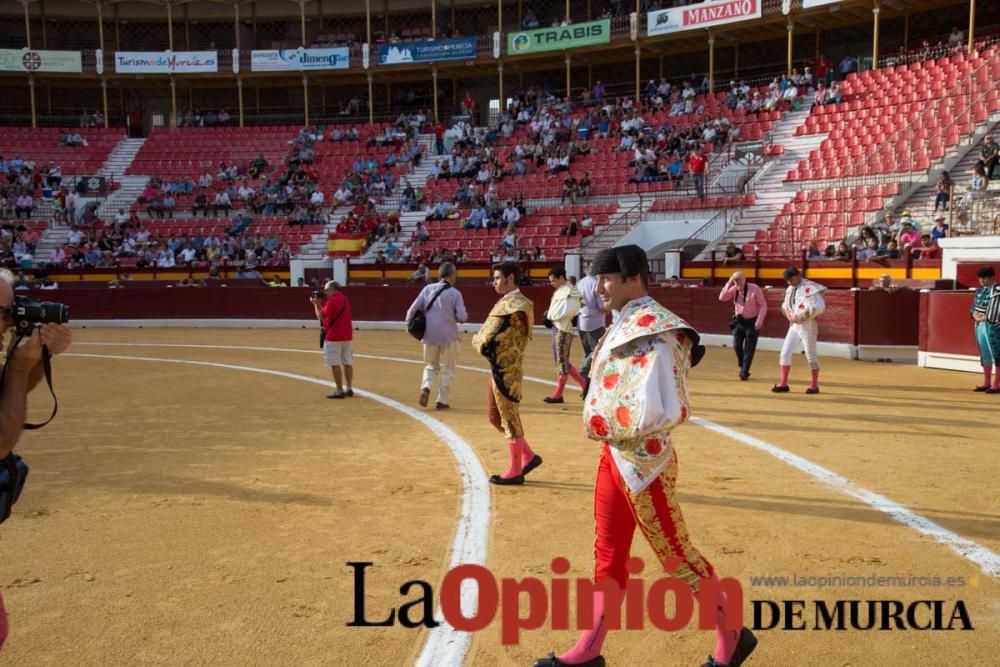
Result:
<point x="28" y="311"/>
<point x="318" y="294"/>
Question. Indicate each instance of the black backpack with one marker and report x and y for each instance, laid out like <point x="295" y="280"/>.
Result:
<point x="417" y="324"/>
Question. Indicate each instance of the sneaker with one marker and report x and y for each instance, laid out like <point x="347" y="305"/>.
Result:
<point x="425" y="397"/>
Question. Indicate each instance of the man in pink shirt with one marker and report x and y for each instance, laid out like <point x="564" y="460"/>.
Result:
<point x="750" y="311"/>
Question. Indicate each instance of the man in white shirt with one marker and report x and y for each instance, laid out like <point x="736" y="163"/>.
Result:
<point x="591" y="323"/>
<point x="563" y="308"/>
<point x="443" y="308"/>
<point x="317" y="199"/>
<point x="511" y="216"/>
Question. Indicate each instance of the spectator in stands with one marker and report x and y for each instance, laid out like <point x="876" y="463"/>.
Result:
<point x="222" y="203"/>
<point x="24" y="204"/>
<point x="421" y="276"/>
<point x="848" y="64"/>
<point x="843" y="253"/>
<point x="813" y="253"/>
<point x="989" y="155"/>
<point x="698" y="166"/>
<point x="733" y="253"/>
<point x="570" y="190"/>
<point x="977" y="188"/>
<point x="928" y="248"/>
<point x="570" y="229"/>
<point x="167" y="206"/>
<point x="883" y="284"/>
<point x="940" y="229"/>
<point x="957" y="38"/>
<point x="908" y="237"/>
<point x="510" y="238"/>
<point x="943" y="187"/>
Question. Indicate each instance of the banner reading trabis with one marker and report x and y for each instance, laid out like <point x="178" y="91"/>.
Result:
<point x="28" y="60"/>
<point x="702" y="15"/>
<point x="166" y="62"/>
<point x="297" y="60"/>
<point x="559" y="38"/>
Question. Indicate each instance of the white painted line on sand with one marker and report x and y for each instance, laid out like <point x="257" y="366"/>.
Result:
<point x="445" y="646"/>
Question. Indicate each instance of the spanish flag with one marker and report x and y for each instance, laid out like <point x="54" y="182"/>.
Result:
<point x="346" y="244"/>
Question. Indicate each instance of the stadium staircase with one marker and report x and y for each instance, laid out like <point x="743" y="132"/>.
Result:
<point x="768" y="184"/>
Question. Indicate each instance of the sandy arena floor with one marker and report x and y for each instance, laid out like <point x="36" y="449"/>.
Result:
<point x="182" y="514"/>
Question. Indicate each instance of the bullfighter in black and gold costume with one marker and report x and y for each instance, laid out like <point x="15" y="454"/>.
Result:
<point x="502" y="340"/>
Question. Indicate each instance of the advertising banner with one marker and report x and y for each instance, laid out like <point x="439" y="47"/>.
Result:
<point x="296" y="60"/>
<point x="462" y="48"/>
<point x="559" y="38"/>
<point x="26" y="60"/>
<point x="166" y="62"/>
<point x="702" y="15"/>
<point x="806" y="4"/>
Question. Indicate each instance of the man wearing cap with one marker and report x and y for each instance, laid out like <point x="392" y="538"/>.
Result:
<point x="333" y="310"/>
<point x="802" y="306"/>
<point x="443" y="308"/>
<point x="750" y="311"/>
<point x="564" y="306"/>
<point x="986" y="314"/>
<point x="502" y="340"/>
<point x="638" y="397"/>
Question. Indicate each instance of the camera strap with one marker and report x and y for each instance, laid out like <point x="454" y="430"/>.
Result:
<point x="47" y="368"/>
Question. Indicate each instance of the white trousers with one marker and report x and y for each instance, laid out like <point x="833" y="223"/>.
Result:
<point x="440" y="359"/>
<point x="806" y="332"/>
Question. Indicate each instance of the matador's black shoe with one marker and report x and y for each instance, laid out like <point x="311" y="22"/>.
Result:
<point x="507" y="481"/>
<point x="744" y="648"/>
<point x="781" y="389"/>
<point x="553" y="661"/>
<point x="535" y="461"/>
<point x="549" y="399"/>
<point x="984" y="387"/>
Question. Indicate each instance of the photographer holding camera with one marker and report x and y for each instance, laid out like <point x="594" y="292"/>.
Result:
<point x="333" y="310"/>
<point x="22" y="371"/>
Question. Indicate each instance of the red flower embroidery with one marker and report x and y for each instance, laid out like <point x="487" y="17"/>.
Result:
<point x="802" y="306"/>
<point x="598" y="426"/>
<point x="808" y="290"/>
<point x="681" y="338"/>
<point x="646" y="320"/>
<point x="623" y="416"/>
<point x="641" y="360"/>
<point x="593" y="401"/>
<point x="610" y="380"/>
<point x="653" y="447"/>
<point x="684" y="412"/>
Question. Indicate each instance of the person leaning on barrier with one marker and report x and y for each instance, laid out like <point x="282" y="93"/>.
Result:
<point x="22" y="371"/>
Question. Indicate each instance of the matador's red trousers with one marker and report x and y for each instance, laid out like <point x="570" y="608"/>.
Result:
<point x="657" y="514"/>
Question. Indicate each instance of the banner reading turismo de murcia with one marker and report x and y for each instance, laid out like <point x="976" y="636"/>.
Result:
<point x="166" y="62"/>
<point x="702" y="15"/>
<point x="559" y="38"/>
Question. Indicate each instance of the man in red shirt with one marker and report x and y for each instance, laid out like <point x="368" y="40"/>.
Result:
<point x="334" y="314"/>
<point x="698" y="164"/>
<point x="439" y="138"/>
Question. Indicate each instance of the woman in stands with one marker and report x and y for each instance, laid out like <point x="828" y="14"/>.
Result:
<point x="944" y="186"/>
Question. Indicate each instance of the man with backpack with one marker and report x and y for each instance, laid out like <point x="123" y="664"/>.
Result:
<point x="442" y="307"/>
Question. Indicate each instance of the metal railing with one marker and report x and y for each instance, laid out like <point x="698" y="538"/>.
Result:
<point x="607" y="235"/>
<point x="711" y="233"/>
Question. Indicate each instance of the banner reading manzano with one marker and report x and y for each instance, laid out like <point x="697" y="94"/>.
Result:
<point x="559" y="38"/>
<point x="25" y="60"/>
<point x="174" y="62"/>
<point x="459" y="48"/>
<point x="702" y="15"/>
<point x="294" y="60"/>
